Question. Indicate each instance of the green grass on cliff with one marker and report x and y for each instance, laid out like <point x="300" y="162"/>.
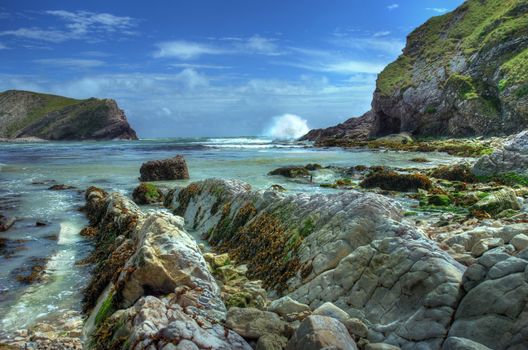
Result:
<point x="474" y="26"/>
<point x="516" y="73"/>
<point x="47" y="104"/>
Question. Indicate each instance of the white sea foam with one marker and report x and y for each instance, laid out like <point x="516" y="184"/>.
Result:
<point x="287" y="127"/>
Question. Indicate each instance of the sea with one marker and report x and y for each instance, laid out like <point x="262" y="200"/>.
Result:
<point x="27" y="170"/>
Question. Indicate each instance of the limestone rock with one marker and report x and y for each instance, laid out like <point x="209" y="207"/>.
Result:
<point x="520" y="241"/>
<point x="352" y="249"/>
<point x="455" y="343"/>
<point x="167" y="169"/>
<point x="321" y="332"/>
<point x="494" y="312"/>
<point x="252" y="323"/>
<point x="330" y="310"/>
<point x="512" y="158"/>
<point x="287" y="306"/>
<point x="380" y="346"/>
<point x="271" y="342"/>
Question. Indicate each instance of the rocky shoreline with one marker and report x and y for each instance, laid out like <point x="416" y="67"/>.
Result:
<point x="432" y="258"/>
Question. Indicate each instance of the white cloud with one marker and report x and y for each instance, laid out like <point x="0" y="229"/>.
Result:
<point x="198" y="66"/>
<point x="188" y="50"/>
<point x="82" y="22"/>
<point x="437" y="9"/>
<point x="2" y="46"/>
<point x="185" y="50"/>
<point x="393" y="6"/>
<point x="383" y="45"/>
<point x="382" y="33"/>
<point x="54" y="36"/>
<point x="70" y="62"/>
<point x="195" y="101"/>
<point x="80" y="25"/>
<point x="259" y="44"/>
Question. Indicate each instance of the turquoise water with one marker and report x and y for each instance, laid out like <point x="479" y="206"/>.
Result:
<point x="26" y="171"/>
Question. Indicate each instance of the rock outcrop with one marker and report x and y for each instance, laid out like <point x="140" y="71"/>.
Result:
<point x="460" y="74"/>
<point x="151" y="286"/>
<point x="166" y="169"/>
<point x="512" y="158"/>
<point x="25" y="114"/>
<point x="352" y="256"/>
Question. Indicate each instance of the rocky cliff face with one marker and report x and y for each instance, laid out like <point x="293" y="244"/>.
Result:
<point x="50" y="117"/>
<point x="461" y="74"/>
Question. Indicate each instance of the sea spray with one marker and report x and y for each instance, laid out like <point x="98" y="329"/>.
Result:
<point x="287" y="127"/>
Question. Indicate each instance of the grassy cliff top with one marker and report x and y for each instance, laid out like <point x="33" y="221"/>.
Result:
<point x="477" y="25"/>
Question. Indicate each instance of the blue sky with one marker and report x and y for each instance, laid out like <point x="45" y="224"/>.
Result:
<point x="209" y="68"/>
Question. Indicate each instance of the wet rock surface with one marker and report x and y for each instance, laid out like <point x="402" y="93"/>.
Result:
<point x="167" y="169"/>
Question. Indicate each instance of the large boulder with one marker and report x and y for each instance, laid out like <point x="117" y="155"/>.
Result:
<point x="494" y="312"/>
<point x="167" y="169"/>
<point x="512" y="158"/>
<point x="252" y="323"/>
<point x="321" y="332"/>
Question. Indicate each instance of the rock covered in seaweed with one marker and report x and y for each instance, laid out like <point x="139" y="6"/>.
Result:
<point x="151" y="285"/>
<point x="166" y="169"/>
<point x="146" y="193"/>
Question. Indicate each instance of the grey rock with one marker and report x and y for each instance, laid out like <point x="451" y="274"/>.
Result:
<point x="321" y="332"/>
<point x="285" y="306"/>
<point x="253" y="323"/>
<point x="520" y="241"/>
<point x="381" y="346"/>
<point x="454" y="343"/>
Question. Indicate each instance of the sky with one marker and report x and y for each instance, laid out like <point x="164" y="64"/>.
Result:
<point x="209" y="68"/>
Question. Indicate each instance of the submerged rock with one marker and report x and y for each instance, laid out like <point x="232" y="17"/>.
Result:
<point x="291" y="171"/>
<point x="393" y="181"/>
<point x="167" y="169"/>
<point x="6" y="223"/>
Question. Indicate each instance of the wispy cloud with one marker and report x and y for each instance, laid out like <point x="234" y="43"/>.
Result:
<point x="382" y="33"/>
<point x="380" y="44"/>
<point x="70" y="62"/>
<point x="53" y="36"/>
<point x="77" y="25"/>
<point x="186" y="50"/>
<point x="199" y="66"/>
<point x="437" y="9"/>
<point x="393" y="6"/>
<point x="2" y="46"/>
<point x="259" y="45"/>
<point x="331" y="62"/>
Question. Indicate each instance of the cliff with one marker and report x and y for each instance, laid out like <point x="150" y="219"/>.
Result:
<point x="461" y="74"/>
<point x="29" y="114"/>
